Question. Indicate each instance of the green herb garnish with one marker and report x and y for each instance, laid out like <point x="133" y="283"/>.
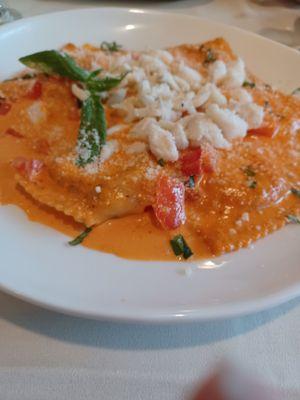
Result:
<point x="210" y="56"/>
<point x="252" y="184"/>
<point x="79" y="239"/>
<point x="293" y="219"/>
<point x="97" y="85"/>
<point x="110" y="46"/>
<point x="53" y="62"/>
<point x="180" y="247"/>
<point x="191" y="182"/>
<point x="296" y="192"/>
<point x="249" y="84"/>
<point x="161" y="162"/>
<point x="249" y="171"/>
<point x="92" y="131"/>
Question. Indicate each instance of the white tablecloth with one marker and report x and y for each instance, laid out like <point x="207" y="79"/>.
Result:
<point x="45" y="355"/>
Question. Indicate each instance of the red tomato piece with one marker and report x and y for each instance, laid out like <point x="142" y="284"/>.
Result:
<point x="14" y="133"/>
<point x="190" y="162"/>
<point x="208" y="158"/>
<point x="265" y="130"/>
<point x="4" y="107"/>
<point x="29" y="168"/>
<point x="169" y="205"/>
<point x="36" y="91"/>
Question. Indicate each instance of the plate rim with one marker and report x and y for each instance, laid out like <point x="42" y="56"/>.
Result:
<point x="218" y="312"/>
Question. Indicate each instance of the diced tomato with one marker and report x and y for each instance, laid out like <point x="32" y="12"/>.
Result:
<point x="264" y="130"/>
<point x="30" y="168"/>
<point x="4" y="107"/>
<point x="209" y="158"/>
<point x="169" y="204"/>
<point x="14" y="133"/>
<point x="190" y="162"/>
<point x="196" y="161"/>
<point x="36" y="91"/>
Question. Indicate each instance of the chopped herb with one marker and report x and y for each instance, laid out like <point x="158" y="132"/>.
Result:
<point x="296" y="92"/>
<point x="191" y="182"/>
<point x="180" y="247"/>
<point x="92" y="131"/>
<point x="296" y="192"/>
<point x="249" y="84"/>
<point x="252" y="184"/>
<point x="161" y="162"/>
<point x="210" y="56"/>
<point x="293" y="219"/>
<point x="249" y="171"/>
<point x="80" y="237"/>
<point x="110" y="46"/>
<point x="266" y="104"/>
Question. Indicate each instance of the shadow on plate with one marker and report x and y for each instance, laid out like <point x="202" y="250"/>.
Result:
<point x="130" y="336"/>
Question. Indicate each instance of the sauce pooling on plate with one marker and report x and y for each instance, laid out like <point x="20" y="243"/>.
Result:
<point x="200" y="157"/>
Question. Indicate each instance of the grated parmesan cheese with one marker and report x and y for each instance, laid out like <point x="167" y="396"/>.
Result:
<point x="136" y="147"/>
<point x="245" y="217"/>
<point x="236" y="74"/>
<point x="163" y="98"/>
<point x="201" y="129"/>
<point x="151" y="173"/>
<point x="162" y="144"/>
<point x="115" y="128"/>
<point x="230" y="123"/>
<point x="217" y="71"/>
<point x="35" y="112"/>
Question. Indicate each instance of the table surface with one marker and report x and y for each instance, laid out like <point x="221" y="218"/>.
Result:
<point x="45" y="355"/>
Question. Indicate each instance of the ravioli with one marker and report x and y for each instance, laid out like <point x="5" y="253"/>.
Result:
<point x="228" y="208"/>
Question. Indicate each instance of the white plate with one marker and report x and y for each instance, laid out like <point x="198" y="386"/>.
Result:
<point x="37" y="265"/>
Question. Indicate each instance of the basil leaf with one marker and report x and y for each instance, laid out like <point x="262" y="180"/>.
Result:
<point x="110" y="46"/>
<point x="92" y="131"/>
<point x="79" y="239"/>
<point x="296" y="192"/>
<point x="102" y="85"/>
<point x="55" y="62"/>
<point x="95" y="73"/>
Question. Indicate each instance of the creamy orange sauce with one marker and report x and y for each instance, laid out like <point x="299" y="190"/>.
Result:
<point x="134" y="236"/>
<point x="223" y="213"/>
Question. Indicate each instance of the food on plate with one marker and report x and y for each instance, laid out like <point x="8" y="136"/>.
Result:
<point x="151" y="154"/>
